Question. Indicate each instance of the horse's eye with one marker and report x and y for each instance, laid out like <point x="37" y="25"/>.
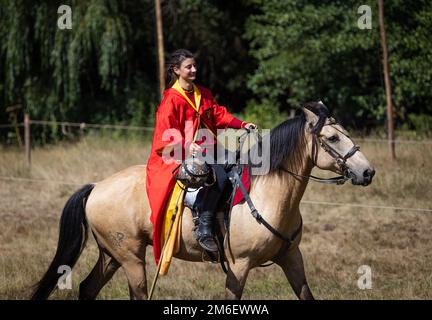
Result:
<point x="333" y="138"/>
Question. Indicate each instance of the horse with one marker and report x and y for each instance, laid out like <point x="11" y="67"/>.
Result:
<point x="117" y="212"/>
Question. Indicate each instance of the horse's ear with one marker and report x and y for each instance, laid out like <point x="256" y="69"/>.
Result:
<point x="311" y="119"/>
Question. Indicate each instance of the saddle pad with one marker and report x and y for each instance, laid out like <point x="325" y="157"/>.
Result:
<point x="245" y="178"/>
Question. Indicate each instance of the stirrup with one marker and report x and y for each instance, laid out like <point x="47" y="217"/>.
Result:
<point x="207" y="242"/>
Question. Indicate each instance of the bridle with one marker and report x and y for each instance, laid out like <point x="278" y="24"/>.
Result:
<point x="340" y="159"/>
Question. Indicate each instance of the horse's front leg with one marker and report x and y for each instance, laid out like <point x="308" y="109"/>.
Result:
<point x="236" y="279"/>
<point x="291" y="262"/>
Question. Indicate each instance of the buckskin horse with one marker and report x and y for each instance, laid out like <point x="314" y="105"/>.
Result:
<point x="117" y="212"/>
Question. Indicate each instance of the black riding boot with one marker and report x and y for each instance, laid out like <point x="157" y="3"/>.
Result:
<point x="208" y="206"/>
<point x="205" y="231"/>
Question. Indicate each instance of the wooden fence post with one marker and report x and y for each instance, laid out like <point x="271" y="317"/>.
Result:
<point x="390" y="132"/>
<point x="27" y="138"/>
<point x="160" y="46"/>
<point x="82" y="127"/>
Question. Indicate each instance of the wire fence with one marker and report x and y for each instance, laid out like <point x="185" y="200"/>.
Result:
<point x="308" y="202"/>
<point x="11" y="125"/>
<point x="419" y="142"/>
<point x="83" y="125"/>
<point x="359" y="205"/>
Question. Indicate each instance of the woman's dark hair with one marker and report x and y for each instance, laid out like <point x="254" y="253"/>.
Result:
<point x="176" y="59"/>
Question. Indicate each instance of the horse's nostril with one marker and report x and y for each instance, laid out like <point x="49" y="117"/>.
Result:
<point x="369" y="173"/>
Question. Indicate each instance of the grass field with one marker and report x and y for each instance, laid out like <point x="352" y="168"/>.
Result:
<point x="337" y="240"/>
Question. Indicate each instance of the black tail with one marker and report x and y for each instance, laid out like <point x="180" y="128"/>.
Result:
<point x="72" y="239"/>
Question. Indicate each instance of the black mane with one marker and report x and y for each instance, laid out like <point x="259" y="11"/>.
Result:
<point x="287" y="136"/>
<point x="285" y="139"/>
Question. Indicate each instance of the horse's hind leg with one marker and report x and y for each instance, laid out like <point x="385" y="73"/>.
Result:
<point x="137" y="279"/>
<point x="102" y="272"/>
<point x="236" y="279"/>
<point x="291" y="262"/>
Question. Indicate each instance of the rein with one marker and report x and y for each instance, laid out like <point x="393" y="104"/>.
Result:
<point x="339" y="180"/>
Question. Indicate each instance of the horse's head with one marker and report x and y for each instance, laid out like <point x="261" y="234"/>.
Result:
<point x="331" y="147"/>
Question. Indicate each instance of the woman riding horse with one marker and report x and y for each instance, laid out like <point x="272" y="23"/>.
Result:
<point x="184" y="102"/>
<point x="118" y="214"/>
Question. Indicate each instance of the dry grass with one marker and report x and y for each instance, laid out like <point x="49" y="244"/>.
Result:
<point x="336" y="240"/>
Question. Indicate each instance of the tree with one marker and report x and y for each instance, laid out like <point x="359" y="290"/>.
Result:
<point x="309" y="50"/>
<point x="213" y="31"/>
<point x="105" y="68"/>
<point x="270" y="55"/>
<point x="82" y="74"/>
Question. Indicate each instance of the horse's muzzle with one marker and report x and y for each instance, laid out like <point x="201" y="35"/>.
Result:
<point x="365" y="179"/>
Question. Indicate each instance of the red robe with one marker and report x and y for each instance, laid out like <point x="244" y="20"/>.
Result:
<point x="172" y="113"/>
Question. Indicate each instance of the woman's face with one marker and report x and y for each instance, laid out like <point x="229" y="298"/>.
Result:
<point x="187" y="70"/>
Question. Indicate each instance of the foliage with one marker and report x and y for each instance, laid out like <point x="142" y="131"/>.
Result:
<point x="265" y="114"/>
<point x="422" y="123"/>
<point x="83" y="74"/>
<point x="309" y="50"/>
<point x="213" y="31"/>
<point x="257" y="56"/>
<point x="105" y="68"/>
